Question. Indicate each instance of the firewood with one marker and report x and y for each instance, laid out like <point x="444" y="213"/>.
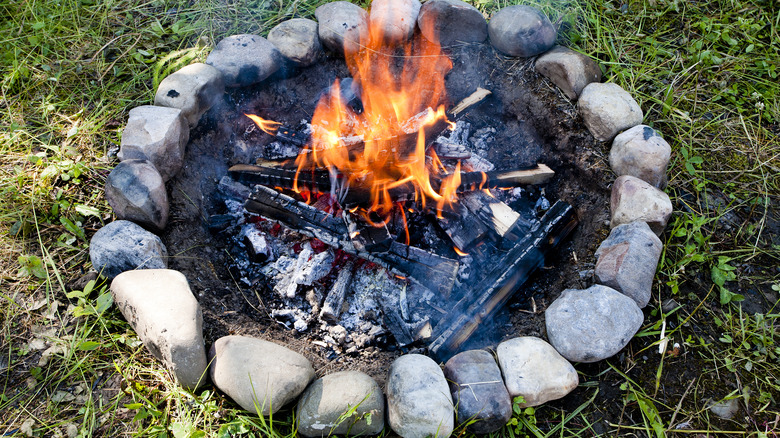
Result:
<point x="334" y="301"/>
<point x="473" y="99"/>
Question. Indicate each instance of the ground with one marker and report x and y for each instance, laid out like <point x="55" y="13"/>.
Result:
<point x="704" y="75"/>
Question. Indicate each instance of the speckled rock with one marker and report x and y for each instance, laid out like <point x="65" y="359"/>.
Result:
<point x="159" y="305"/>
<point x="192" y="89"/>
<point x="627" y="260"/>
<point x="571" y="71"/>
<point x="635" y="200"/>
<point x="158" y="135"/>
<point x="342" y="26"/>
<point x="451" y="21"/>
<point x="394" y="20"/>
<point x="136" y="192"/>
<point x="478" y="391"/>
<point x="123" y="246"/>
<point x="642" y="153"/>
<point x="521" y="30"/>
<point x="608" y="109"/>
<point x="258" y="375"/>
<point x="245" y="59"/>
<point x="298" y="40"/>
<point x="322" y="406"/>
<point x="534" y="370"/>
<point x="592" y="324"/>
<point x="419" y="403"/>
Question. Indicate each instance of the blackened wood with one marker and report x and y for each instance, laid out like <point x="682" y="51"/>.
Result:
<point x="366" y="237"/>
<point x="289" y="135"/>
<point x="396" y="324"/>
<point x="430" y="270"/>
<point x="331" y="308"/>
<point x="463" y="227"/>
<point x="494" y="214"/>
<point x="482" y="301"/>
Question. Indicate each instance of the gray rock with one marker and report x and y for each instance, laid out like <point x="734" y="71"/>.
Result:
<point x="193" y="89"/>
<point x="592" y="324"/>
<point x="419" y="403"/>
<point x="298" y="40"/>
<point x="642" y="153"/>
<point x="627" y="260"/>
<point x="451" y="21"/>
<point x="521" y="31"/>
<point x="534" y="370"/>
<point x="245" y="59"/>
<point x="258" y="375"/>
<point x="342" y="26"/>
<point x="159" y="305"/>
<point x="123" y="246"/>
<point x="394" y="20"/>
<point x="322" y="407"/>
<point x="136" y="192"/>
<point x="478" y="391"/>
<point x="608" y="109"/>
<point x="158" y="135"/>
<point x="571" y="71"/>
<point x="725" y="409"/>
<point x="635" y="200"/>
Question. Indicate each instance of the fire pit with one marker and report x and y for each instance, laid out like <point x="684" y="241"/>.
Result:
<point x="393" y="203"/>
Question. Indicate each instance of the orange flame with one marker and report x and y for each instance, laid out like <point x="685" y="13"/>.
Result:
<point x="459" y="252"/>
<point x="268" y="126"/>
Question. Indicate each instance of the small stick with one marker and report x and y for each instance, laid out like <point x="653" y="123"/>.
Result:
<point x="473" y="99"/>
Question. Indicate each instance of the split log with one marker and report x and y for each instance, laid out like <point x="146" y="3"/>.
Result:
<point x="430" y="270"/>
<point x="334" y="301"/>
<point x="484" y="299"/>
<point x="473" y="99"/>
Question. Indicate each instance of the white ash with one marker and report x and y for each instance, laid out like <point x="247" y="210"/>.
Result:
<point x="280" y="150"/>
<point x="478" y="164"/>
<point x="482" y="139"/>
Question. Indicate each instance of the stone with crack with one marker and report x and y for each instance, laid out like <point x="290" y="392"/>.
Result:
<point x="161" y="308"/>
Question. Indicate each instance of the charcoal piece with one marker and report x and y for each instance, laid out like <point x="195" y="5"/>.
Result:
<point x="463" y="227"/>
<point x="395" y="323"/>
<point x="279" y="150"/>
<point x="331" y="308"/>
<point x="232" y="189"/>
<point x="220" y="222"/>
<point x="257" y="247"/>
<point x="297" y="137"/>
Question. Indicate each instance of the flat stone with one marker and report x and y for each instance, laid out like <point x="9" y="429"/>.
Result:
<point x="592" y="324"/>
<point x="608" y="109"/>
<point x="535" y="371"/>
<point x="451" y="21"/>
<point x="343" y="25"/>
<point x="159" y="305"/>
<point x="298" y="40"/>
<point x="725" y="409"/>
<point x="193" y="89"/>
<point x="245" y="59"/>
<point x="627" y="260"/>
<point x="635" y="200"/>
<point x="521" y="30"/>
<point x="478" y="391"/>
<point x="571" y="71"/>
<point x="322" y="407"/>
<point x="123" y="246"/>
<point x="419" y="403"/>
<point x="643" y="153"/>
<point x="260" y="376"/>
<point x="136" y="192"/>
<point x="158" y="135"/>
<point x="394" y="20"/>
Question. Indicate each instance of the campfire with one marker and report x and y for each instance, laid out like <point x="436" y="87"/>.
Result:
<point x="381" y="161"/>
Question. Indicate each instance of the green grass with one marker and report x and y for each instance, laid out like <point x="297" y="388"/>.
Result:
<point x="705" y="74"/>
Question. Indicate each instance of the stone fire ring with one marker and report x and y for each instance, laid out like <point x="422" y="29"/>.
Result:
<point x="421" y="399"/>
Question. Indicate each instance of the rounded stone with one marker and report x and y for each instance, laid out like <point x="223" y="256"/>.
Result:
<point x="193" y="89"/>
<point x="592" y="324"/>
<point x="571" y="71"/>
<point x="450" y="21"/>
<point x="161" y="308"/>
<point x="123" y="246"/>
<point x="642" y="153"/>
<point x="298" y="40"/>
<point x="393" y="21"/>
<point x="156" y="134"/>
<point x="633" y="199"/>
<point x="340" y="403"/>
<point x="260" y="376"/>
<point x="343" y="26"/>
<point x="419" y="403"/>
<point x="608" y="109"/>
<point x="245" y="59"/>
<point x="535" y="371"/>
<point x="136" y="192"/>
<point x="478" y="391"/>
<point x="521" y="30"/>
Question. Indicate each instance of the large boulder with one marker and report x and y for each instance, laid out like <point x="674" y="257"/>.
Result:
<point x="192" y="89"/>
<point x="136" y="192"/>
<point x="450" y="21"/>
<point x="245" y="59"/>
<point x="156" y="134"/>
<point x="123" y="246"/>
<point x="161" y="308"/>
<point x="521" y="30"/>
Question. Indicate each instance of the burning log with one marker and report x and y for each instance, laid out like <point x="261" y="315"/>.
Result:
<point x="430" y="270"/>
<point x="484" y="299"/>
<point x="366" y="237"/>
